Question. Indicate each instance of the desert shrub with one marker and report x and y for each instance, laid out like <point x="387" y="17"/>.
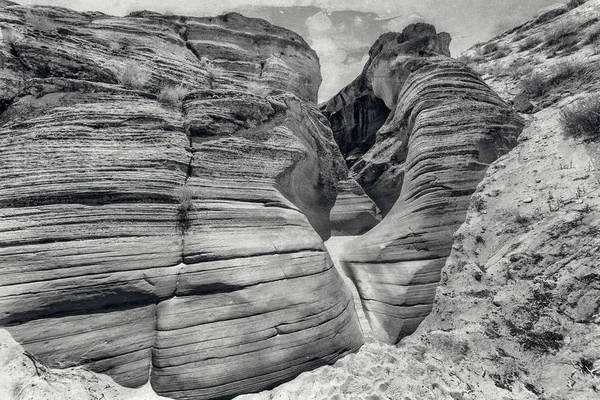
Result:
<point x="478" y="203"/>
<point x="258" y="89"/>
<point x="530" y="43"/>
<point x="185" y="197"/>
<point x="575" y="3"/>
<point x="518" y="37"/>
<point x="116" y="47"/>
<point x="536" y="85"/>
<point x="562" y="35"/>
<point x="522" y="219"/>
<point x="8" y="36"/>
<point x="594" y="36"/>
<point x="489" y="48"/>
<point x="172" y="95"/>
<point x="465" y="59"/>
<point x="497" y="70"/>
<point x="133" y="76"/>
<point x="213" y="73"/>
<point x="517" y="70"/>
<point x="40" y="23"/>
<point x="577" y="72"/>
<point x="582" y="119"/>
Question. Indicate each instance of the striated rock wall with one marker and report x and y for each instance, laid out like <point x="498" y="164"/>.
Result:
<point x="446" y="126"/>
<point x="354" y="213"/>
<point x="165" y="188"/>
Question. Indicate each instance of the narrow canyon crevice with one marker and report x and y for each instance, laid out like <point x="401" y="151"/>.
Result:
<point x="421" y="170"/>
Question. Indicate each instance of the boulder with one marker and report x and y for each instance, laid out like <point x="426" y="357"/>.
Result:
<point x="445" y="127"/>
<point x="164" y="199"/>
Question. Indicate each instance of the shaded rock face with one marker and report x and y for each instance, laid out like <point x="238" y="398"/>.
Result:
<point x="165" y="192"/>
<point x="446" y="126"/>
<point x="354" y="213"/>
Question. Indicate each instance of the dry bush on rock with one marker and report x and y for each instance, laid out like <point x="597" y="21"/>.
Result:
<point x="258" y="89"/>
<point x="133" y="76"/>
<point x="172" y="95"/>
<point x="582" y="119"/>
<point x="185" y="197"/>
<point x="40" y="23"/>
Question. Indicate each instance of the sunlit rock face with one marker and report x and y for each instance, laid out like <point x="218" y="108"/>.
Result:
<point x="166" y="185"/>
<point x="444" y="129"/>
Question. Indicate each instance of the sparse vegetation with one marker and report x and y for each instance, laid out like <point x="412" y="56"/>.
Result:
<point x="530" y="43"/>
<point x="570" y="70"/>
<point x="593" y="37"/>
<point x="258" y="89"/>
<point x="116" y="47"/>
<point x="8" y="36"/>
<point x="489" y="48"/>
<point x="11" y="39"/>
<point x="172" y="95"/>
<point x="40" y="23"/>
<point x="538" y="85"/>
<point x="582" y="119"/>
<point x="522" y="220"/>
<point x="133" y="76"/>
<point x="535" y="85"/>
<point x="212" y="74"/>
<point x="185" y="197"/>
<point x="562" y="36"/>
<point x="478" y="203"/>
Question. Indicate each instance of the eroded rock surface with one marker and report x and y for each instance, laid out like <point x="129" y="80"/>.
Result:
<point x="165" y="188"/>
<point x="354" y="213"/>
<point x="445" y="127"/>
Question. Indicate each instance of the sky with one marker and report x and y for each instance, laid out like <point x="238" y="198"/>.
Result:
<point x="341" y="32"/>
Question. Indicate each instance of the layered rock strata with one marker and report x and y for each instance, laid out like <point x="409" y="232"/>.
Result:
<point x="354" y="213"/>
<point x="445" y="127"/>
<point x="164" y="195"/>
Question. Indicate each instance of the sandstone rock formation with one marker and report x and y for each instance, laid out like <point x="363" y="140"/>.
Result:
<point x="25" y="377"/>
<point x="444" y="129"/>
<point x="354" y="213"/>
<point x="166" y="186"/>
<point x="517" y="312"/>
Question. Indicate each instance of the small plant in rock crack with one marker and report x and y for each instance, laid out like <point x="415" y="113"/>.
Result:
<point x="173" y="95"/>
<point x="185" y="197"/>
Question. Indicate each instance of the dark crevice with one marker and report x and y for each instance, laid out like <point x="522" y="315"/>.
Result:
<point x="197" y="259"/>
<point x="89" y="199"/>
<point x="73" y="305"/>
<point x="5" y="105"/>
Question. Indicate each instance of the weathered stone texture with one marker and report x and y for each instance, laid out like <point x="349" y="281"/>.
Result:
<point x="446" y="126"/>
<point x="176" y="238"/>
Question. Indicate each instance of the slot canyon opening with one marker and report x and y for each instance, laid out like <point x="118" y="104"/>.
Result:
<point x="356" y="115"/>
